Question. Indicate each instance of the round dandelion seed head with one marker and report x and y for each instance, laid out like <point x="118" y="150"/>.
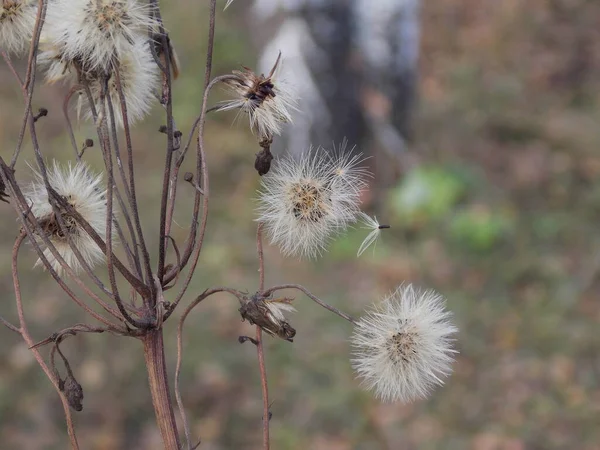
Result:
<point x="302" y="206"/>
<point x="95" y="32"/>
<point x="139" y="80"/>
<point x="17" y="21"/>
<point x="267" y="100"/>
<point x="85" y="192"/>
<point x="403" y="346"/>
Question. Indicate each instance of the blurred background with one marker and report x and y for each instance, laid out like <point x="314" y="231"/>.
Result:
<point x="481" y="121"/>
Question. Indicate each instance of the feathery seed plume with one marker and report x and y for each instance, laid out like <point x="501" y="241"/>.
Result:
<point x="403" y="346"/>
<point x="86" y="194"/>
<point x="139" y="80"/>
<point x="372" y="224"/>
<point x="17" y="21"/>
<point x="95" y="32"/>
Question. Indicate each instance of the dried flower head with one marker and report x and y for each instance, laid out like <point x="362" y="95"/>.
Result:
<point x="370" y="223"/>
<point x="268" y="314"/>
<point x="51" y="58"/>
<point x="84" y="191"/>
<point x="403" y="346"/>
<point x="95" y="32"/>
<point x="17" y="21"/>
<point x="268" y="100"/>
<point x="303" y="203"/>
<point x="138" y="73"/>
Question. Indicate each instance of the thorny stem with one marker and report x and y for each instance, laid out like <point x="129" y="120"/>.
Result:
<point x="29" y="341"/>
<point x="313" y="297"/>
<point x="191" y="306"/>
<point x="259" y="341"/>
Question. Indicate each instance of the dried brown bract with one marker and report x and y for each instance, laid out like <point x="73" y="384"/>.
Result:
<point x="268" y="315"/>
<point x="267" y="100"/>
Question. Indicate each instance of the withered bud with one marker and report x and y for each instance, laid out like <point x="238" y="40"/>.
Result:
<point x="162" y="129"/>
<point x="188" y="176"/>
<point x="257" y="311"/>
<point x="42" y="112"/>
<point x="262" y="163"/>
<point x="89" y="143"/>
<point x="73" y="391"/>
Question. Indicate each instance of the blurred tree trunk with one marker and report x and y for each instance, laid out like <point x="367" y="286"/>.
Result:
<point x="355" y="63"/>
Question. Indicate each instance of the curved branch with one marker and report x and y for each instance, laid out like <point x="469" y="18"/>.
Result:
<point x="29" y="341"/>
<point x="313" y="297"/>
<point x="205" y="294"/>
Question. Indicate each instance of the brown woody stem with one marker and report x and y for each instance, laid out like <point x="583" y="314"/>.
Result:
<point x="154" y="354"/>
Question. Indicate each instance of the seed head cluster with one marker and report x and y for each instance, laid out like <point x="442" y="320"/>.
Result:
<point x="304" y="202"/>
<point x="17" y="21"/>
<point x="403" y="346"/>
<point x="84" y="191"/>
<point x="90" y="41"/>
<point x="96" y="32"/>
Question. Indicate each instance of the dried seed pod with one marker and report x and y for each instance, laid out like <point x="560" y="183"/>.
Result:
<point x="268" y="315"/>
<point x="73" y="391"/>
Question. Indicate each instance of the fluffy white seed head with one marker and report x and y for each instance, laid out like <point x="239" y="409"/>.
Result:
<point x="139" y="80"/>
<point x="95" y="32"/>
<point x="403" y="346"/>
<point x="303" y="203"/>
<point x="17" y="21"/>
<point x="51" y="58"/>
<point x="267" y="100"/>
<point x="85" y="192"/>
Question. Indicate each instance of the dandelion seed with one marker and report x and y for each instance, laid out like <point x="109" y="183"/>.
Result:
<point x="229" y="2"/>
<point x="403" y="346"/>
<point x="95" y="32"/>
<point x="372" y="224"/>
<point x="268" y="101"/>
<point x="139" y="79"/>
<point x="84" y="191"/>
<point x="17" y="21"/>
<point x="302" y="206"/>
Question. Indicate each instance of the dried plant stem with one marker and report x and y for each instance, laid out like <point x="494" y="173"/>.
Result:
<point x="24" y="331"/>
<point x="259" y="342"/>
<point x="154" y="354"/>
<point x="313" y="297"/>
<point x="196" y="302"/>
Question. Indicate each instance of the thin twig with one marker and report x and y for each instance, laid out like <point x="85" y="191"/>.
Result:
<point x="313" y="297"/>
<point x="9" y="325"/>
<point x="259" y="342"/>
<point x="132" y="192"/>
<point x="29" y="341"/>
